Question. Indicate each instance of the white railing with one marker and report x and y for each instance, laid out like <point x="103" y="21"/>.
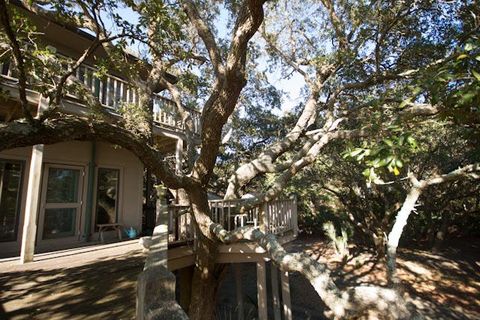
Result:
<point x="113" y="92"/>
<point x="278" y="216"/>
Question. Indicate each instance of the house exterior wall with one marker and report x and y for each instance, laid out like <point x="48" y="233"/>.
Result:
<point x="78" y="155"/>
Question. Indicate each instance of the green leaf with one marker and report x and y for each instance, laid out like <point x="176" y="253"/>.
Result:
<point x="388" y="142"/>
<point x="396" y="171"/>
<point x="462" y="56"/>
<point x="399" y="163"/>
<point x="355" y="152"/>
<point x="476" y="75"/>
<point x="470" y="46"/>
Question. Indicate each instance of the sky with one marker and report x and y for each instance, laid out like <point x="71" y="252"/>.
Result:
<point x="291" y="87"/>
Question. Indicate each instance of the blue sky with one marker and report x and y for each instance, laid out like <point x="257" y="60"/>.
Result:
<point x="291" y="87"/>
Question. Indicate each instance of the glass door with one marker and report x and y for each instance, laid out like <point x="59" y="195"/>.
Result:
<point x="62" y="194"/>
<point x="10" y="193"/>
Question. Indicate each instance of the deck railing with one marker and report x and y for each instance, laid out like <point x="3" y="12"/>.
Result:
<point x="278" y="217"/>
<point x="113" y="92"/>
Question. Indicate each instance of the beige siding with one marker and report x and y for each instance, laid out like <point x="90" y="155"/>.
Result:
<point x="78" y="154"/>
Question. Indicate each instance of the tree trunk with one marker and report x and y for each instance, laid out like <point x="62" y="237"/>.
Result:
<point x="396" y="233"/>
<point x="207" y="274"/>
<point x="205" y="283"/>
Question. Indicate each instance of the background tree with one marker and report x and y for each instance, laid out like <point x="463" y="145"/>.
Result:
<point x="367" y="68"/>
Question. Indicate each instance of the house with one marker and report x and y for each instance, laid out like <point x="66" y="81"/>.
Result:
<point x="59" y="196"/>
<point x="79" y="185"/>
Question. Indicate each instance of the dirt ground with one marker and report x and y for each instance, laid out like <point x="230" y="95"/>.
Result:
<point x="100" y="283"/>
<point x="444" y="285"/>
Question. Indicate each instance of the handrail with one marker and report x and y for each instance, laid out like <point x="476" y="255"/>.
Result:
<point x="113" y="92"/>
<point x="156" y="284"/>
<point x="277" y="217"/>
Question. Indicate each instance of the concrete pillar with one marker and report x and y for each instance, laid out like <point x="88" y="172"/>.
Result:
<point x="32" y="205"/>
<point x="275" y="293"/>
<point x="262" y="291"/>
<point x="239" y="291"/>
<point x="287" y="303"/>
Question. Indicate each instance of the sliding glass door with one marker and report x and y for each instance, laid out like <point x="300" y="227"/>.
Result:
<point x="11" y="172"/>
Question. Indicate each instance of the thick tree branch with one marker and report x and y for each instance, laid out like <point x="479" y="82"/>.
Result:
<point x="471" y="171"/>
<point x="206" y="34"/>
<point x="67" y="128"/>
<point x="342" y="305"/>
<point x="19" y="60"/>
<point x="225" y="95"/>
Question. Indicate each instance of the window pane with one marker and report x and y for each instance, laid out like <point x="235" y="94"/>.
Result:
<point x="59" y="223"/>
<point x="62" y="185"/>
<point x="107" y="191"/>
<point x="10" y="181"/>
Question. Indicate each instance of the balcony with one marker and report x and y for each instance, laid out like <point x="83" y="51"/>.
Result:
<point x="113" y="92"/>
<point x="277" y="217"/>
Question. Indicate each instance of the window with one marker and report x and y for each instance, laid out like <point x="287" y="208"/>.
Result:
<point x="10" y="195"/>
<point x="107" y="196"/>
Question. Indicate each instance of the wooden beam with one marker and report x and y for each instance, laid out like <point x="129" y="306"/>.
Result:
<point x="287" y="303"/>
<point x="262" y="291"/>
<point x="275" y="293"/>
<point x="239" y="291"/>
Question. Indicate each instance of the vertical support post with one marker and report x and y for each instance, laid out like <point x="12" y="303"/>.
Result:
<point x="90" y="188"/>
<point x="185" y="286"/>
<point x="160" y="233"/>
<point x="32" y="205"/>
<point x="275" y="293"/>
<point x="239" y="291"/>
<point x="179" y="156"/>
<point x="263" y="218"/>
<point x="262" y="291"/>
<point x="287" y="303"/>
<point x="295" y="217"/>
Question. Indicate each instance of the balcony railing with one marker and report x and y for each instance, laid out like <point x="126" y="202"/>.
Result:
<point x="278" y="216"/>
<point x="113" y="92"/>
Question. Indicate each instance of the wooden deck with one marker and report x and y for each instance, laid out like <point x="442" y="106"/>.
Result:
<point x="112" y="92"/>
<point x="93" y="282"/>
<point x="278" y="217"/>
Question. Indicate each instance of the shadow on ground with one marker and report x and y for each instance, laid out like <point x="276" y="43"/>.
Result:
<point x="443" y="285"/>
<point x="102" y="289"/>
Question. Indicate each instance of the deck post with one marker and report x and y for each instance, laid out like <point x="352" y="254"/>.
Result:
<point x="262" y="291"/>
<point x="275" y="293"/>
<point x="90" y="190"/>
<point x="179" y="156"/>
<point x="32" y="204"/>
<point x="185" y="276"/>
<point x="239" y="291"/>
<point x="287" y="303"/>
<point x="295" y="217"/>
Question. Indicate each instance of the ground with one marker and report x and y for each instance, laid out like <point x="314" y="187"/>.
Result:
<point x="98" y="282"/>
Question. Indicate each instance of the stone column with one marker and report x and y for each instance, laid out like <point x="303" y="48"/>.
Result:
<point x="32" y="204"/>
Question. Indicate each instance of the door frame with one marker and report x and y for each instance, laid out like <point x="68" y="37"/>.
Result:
<point x="79" y="204"/>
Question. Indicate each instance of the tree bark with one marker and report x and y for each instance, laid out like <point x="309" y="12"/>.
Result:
<point x="394" y="235"/>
